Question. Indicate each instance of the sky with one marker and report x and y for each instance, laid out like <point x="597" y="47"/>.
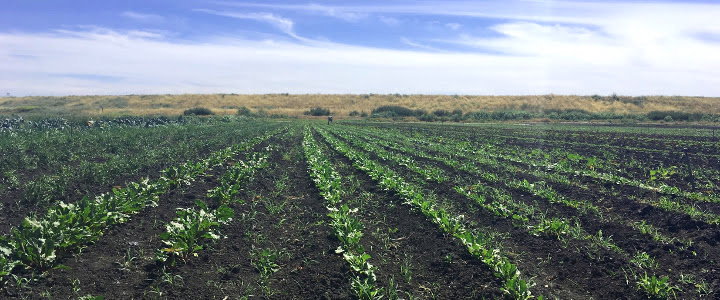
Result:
<point x="513" y="47"/>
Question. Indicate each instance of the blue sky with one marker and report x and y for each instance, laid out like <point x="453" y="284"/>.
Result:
<point x="430" y="47"/>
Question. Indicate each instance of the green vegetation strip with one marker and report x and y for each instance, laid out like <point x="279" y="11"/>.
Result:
<point x="561" y="161"/>
<point x="451" y="148"/>
<point x="184" y="236"/>
<point x="478" y="245"/>
<point x="98" y="156"/>
<point x="348" y="228"/>
<point x="40" y="242"/>
<point x="504" y="205"/>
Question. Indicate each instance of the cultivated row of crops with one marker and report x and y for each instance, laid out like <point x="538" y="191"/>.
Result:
<point x="369" y="211"/>
<point x="562" y="198"/>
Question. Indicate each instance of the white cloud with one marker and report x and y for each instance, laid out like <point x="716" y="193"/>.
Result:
<point x="283" y="24"/>
<point x="408" y="42"/>
<point x="539" y="47"/>
<point x="389" y="20"/>
<point x="143" y="17"/>
<point x="330" y="11"/>
<point x="143" y="65"/>
<point x="453" y="26"/>
<point x="679" y="16"/>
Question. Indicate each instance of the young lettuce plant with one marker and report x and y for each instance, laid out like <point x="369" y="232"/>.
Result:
<point x="657" y="288"/>
<point x="185" y="234"/>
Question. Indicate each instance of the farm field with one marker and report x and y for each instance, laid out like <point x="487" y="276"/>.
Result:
<point x="236" y="209"/>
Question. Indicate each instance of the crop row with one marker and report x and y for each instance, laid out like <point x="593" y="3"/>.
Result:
<point x="40" y="168"/>
<point x="461" y="158"/>
<point x="185" y="234"/>
<point x="40" y="242"/>
<point x="558" y="173"/>
<point x="347" y="228"/>
<point x="563" y="138"/>
<point x="676" y="164"/>
<point x="479" y="245"/>
<point x="502" y="204"/>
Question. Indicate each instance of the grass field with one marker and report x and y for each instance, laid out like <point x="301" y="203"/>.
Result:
<point x="342" y="105"/>
<point x="243" y="209"/>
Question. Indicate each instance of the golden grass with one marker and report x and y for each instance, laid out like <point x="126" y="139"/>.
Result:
<point x="342" y="105"/>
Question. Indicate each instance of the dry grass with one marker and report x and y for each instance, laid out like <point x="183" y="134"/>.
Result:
<point x="342" y="105"/>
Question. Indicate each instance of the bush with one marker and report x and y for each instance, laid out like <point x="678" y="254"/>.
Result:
<point x="318" y="111"/>
<point x="511" y="115"/>
<point x="441" y="113"/>
<point x="244" y="111"/>
<point x="393" y="111"/>
<point x="384" y="114"/>
<point x="428" y="118"/>
<point x="676" y="116"/>
<point x="198" y="111"/>
<point x="354" y="113"/>
<point x="364" y="114"/>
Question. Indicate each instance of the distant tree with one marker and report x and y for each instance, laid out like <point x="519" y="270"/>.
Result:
<point x="244" y="111"/>
<point x="198" y="111"/>
<point x="317" y="111"/>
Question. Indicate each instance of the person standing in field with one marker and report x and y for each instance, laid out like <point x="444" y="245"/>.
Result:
<point x="329" y="120"/>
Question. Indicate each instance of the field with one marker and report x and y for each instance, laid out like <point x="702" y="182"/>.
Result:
<point x="235" y="208"/>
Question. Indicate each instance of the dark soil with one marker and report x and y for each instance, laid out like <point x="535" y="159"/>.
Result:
<point x="691" y="260"/>
<point x="281" y="212"/>
<point x="399" y="238"/>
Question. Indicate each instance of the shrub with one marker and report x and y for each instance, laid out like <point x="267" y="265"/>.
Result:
<point x="428" y="118"/>
<point x="244" y="111"/>
<point x="384" y="114"/>
<point x="354" y="113"/>
<point x="441" y="112"/>
<point x="511" y="115"/>
<point x="198" y="111"/>
<point x="364" y="114"/>
<point x="675" y="116"/>
<point x="393" y="111"/>
<point x="318" y="111"/>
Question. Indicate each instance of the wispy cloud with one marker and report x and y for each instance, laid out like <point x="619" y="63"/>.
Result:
<point x="683" y="15"/>
<point x="389" y="20"/>
<point x="515" y="47"/>
<point x="90" y="77"/>
<point x="242" y="66"/>
<point x="408" y="42"/>
<point x="112" y="35"/>
<point x="283" y="24"/>
<point x="331" y="11"/>
<point x="453" y="26"/>
<point x="142" y="17"/>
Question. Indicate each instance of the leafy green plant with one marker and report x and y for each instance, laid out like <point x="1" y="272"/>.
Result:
<point x="184" y="235"/>
<point x="518" y="288"/>
<point x="662" y="173"/>
<point x="264" y="261"/>
<point x="555" y="226"/>
<point x="644" y="260"/>
<point x="348" y="229"/>
<point x="657" y="288"/>
<point x="365" y="289"/>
